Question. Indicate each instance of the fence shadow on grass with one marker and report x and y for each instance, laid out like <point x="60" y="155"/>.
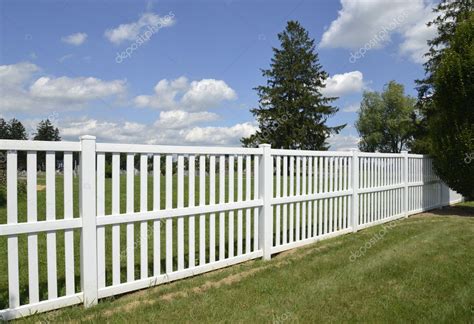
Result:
<point x="457" y="210"/>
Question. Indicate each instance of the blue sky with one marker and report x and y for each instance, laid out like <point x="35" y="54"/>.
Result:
<point x="191" y="81"/>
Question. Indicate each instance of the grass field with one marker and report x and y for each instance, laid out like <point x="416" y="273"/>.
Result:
<point x="420" y="271"/>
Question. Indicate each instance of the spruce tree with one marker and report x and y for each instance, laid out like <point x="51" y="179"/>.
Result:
<point x="47" y="132"/>
<point x="292" y="111"/>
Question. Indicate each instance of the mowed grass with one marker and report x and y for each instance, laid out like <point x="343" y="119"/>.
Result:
<point x="420" y="270"/>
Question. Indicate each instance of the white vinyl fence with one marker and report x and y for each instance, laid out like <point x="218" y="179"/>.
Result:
<point x="187" y="210"/>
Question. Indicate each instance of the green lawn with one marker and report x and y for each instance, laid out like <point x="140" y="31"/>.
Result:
<point x="421" y="270"/>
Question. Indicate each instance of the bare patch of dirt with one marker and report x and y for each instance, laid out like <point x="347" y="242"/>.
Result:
<point x="40" y="187"/>
<point x="229" y="280"/>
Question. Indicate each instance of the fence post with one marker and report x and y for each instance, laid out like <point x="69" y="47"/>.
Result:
<point x="355" y="190"/>
<point x="89" y="225"/>
<point x="405" y="181"/>
<point x="265" y="218"/>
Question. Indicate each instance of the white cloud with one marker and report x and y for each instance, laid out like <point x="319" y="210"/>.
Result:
<point x="343" y="142"/>
<point x="75" y="39"/>
<point x="21" y="91"/>
<point x="125" y="132"/>
<point x="179" y="119"/>
<point x="75" y="89"/>
<point x="351" y="108"/>
<point x="15" y="74"/>
<point x="130" y="31"/>
<point x="157" y="133"/>
<point x="182" y="95"/>
<point x="219" y="135"/>
<point x="415" y="44"/>
<point x="362" y="24"/>
<point x="345" y="83"/>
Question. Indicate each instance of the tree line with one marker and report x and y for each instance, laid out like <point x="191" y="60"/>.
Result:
<point x="13" y="129"/>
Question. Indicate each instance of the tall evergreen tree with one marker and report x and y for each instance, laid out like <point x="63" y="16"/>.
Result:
<point x="450" y="13"/>
<point x="3" y="129"/>
<point x="292" y="111"/>
<point x="17" y="130"/>
<point x="13" y="129"/>
<point x="46" y="132"/>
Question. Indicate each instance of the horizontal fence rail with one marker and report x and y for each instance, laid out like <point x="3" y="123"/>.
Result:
<point x="87" y="220"/>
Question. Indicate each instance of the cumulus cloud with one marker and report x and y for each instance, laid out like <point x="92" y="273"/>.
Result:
<point x="345" y="83"/>
<point x="75" y="39"/>
<point x="125" y="132"/>
<point x="20" y="90"/>
<point x="179" y="118"/>
<point x="183" y="95"/>
<point x="361" y="23"/>
<point x="130" y="31"/>
<point x="75" y="89"/>
<point x="156" y="133"/>
<point x="219" y="135"/>
<point x="415" y="44"/>
<point x="340" y="142"/>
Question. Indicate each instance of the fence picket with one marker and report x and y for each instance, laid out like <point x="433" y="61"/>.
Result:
<point x="239" y="199"/>
<point x="101" y="212"/>
<point x="248" y="195"/>
<point x="115" y="210"/>
<point x="180" y="204"/>
<point x="68" y="214"/>
<point x="156" y="224"/>
<point x="278" y="194"/>
<point x="212" y="201"/>
<point x="202" y="202"/>
<point x="169" y="205"/>
<point x="51" y="215"/>
<point x="33" y="282"/>
<point x="230" y="200"/>
<point x="221" y="201"/>
<point x="130" y="209"/>
<point x="191" y="203"/>
<point x="12" y="241"/>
